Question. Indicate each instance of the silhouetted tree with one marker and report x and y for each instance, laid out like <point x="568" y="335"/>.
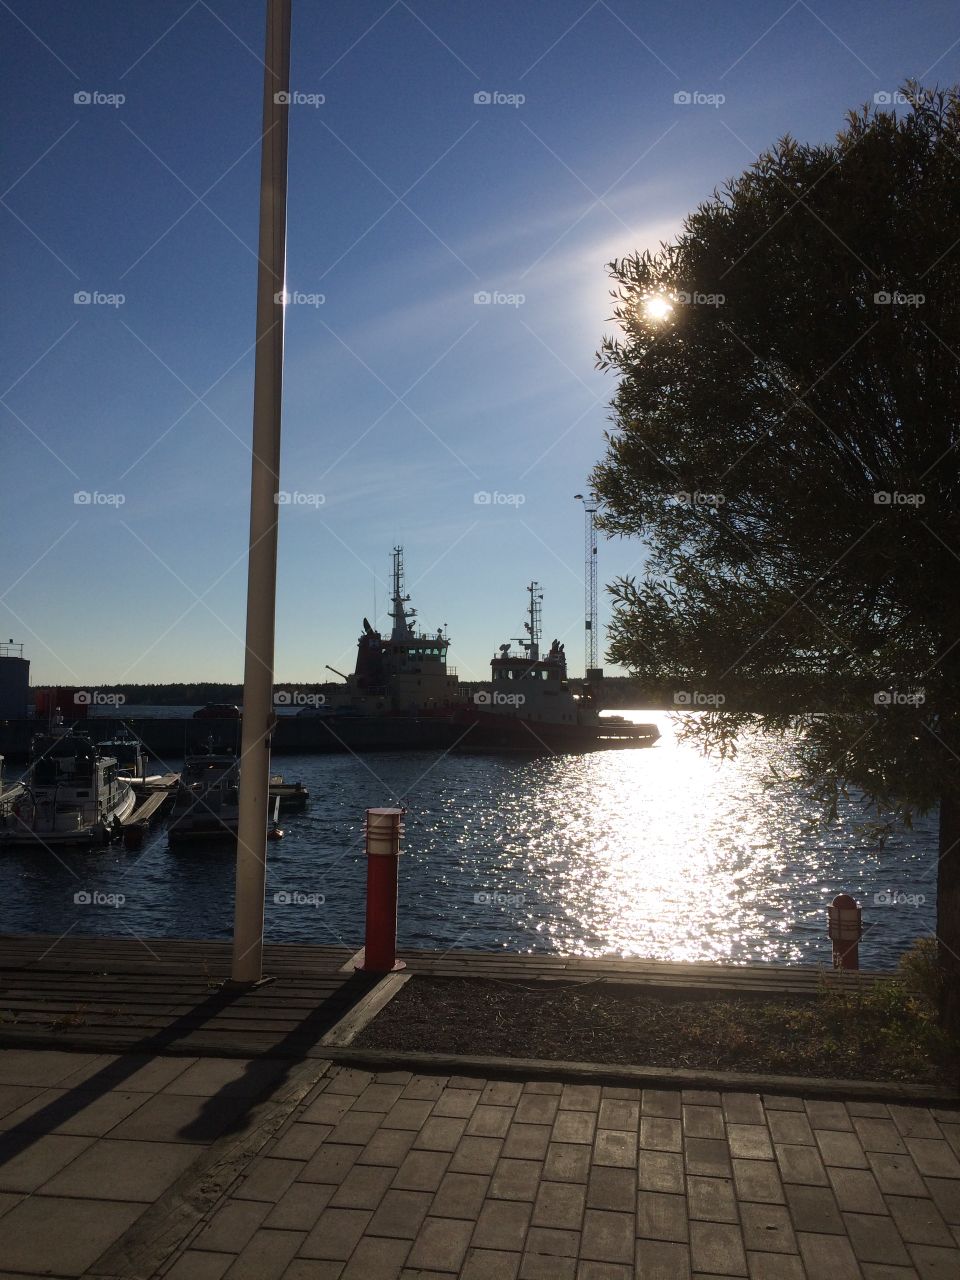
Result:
<point x="785" y="440"/>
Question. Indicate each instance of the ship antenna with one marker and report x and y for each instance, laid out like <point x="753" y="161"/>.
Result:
<point x="399" y="614"/>
<point x="534" y="625"/>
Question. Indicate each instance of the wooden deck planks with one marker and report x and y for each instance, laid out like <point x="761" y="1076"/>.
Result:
<point x="168" y="995"/>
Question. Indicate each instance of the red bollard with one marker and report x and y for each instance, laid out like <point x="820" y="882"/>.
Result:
<point x="845" y="929"/>
<point x="384" y="830"/>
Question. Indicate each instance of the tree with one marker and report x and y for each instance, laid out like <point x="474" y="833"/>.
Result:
<point x="784" y="438"/>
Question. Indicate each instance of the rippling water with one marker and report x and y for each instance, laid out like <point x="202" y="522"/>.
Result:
<point x="659" y="852"/>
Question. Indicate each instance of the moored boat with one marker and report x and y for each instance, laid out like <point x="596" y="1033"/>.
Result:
<point x="207" y="803"/>
<point x="529" y="706"/>
<point x="71" y="794"/>
<point x="290" y="795"/>
<point x="130" y="756"/>
<point x="404" y="674"/>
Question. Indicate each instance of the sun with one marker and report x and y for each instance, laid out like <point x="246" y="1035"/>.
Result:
<point x="657" y="307"/>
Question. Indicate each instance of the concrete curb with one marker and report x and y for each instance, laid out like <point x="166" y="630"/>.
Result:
<point x="648" y="1077"/>
<point x="365" y="1010"/>
<point x="535" y="1068"/>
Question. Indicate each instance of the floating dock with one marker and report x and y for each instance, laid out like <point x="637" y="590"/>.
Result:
<point x="153" y="796"/>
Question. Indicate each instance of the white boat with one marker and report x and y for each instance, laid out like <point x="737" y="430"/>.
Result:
<point x="71" y="794"/>
<point x="206" y="806"/>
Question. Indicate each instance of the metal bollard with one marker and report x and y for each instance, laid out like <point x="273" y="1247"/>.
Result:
<point x="845" y="929"/>
<point x="384" y="831"/>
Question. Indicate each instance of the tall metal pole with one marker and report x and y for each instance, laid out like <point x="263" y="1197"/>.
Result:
<point x="589" y="583"/>
<point x="591" y="586"/>
<point x="264" y="486"/>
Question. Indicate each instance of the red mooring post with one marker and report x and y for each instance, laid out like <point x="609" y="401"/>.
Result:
<point x="384" y="831"/>
<point x="845" y="929"/>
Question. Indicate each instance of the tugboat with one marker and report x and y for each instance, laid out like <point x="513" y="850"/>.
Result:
<point x="529" y="706"/>
<point x="71" y="794"/>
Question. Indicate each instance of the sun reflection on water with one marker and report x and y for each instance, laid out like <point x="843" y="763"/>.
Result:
<point x="662" y="853"/>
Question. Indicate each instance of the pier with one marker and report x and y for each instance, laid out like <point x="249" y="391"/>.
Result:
<point x="151" y="802"/>
<point x="148" y="807"/>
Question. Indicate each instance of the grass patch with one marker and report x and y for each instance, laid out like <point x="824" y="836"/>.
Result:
<point x="877" y="1032"/>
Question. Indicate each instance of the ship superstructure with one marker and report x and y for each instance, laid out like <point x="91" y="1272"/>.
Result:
<point x="406" y="673"/>
<point x="526" y="684"/>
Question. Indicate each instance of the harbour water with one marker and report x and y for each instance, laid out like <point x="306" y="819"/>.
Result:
<point x="656" y="852"/>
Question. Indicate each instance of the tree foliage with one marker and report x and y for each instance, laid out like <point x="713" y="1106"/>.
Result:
<point x="785" y="441"/>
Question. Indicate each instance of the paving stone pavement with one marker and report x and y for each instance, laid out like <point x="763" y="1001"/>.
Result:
<point x="88" y="1143"/>
<point x="394" y="1176"/>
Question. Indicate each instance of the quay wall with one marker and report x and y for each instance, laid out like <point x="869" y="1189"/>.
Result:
<point x="295" y="735"/>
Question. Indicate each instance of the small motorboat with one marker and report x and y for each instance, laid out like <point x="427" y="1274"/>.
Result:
<point x="291" y="795"/>
<point x="207" y="802"/>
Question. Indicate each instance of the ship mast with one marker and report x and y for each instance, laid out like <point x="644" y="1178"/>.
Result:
<point x="401" y="616"/>
<point x="533" y="627"/>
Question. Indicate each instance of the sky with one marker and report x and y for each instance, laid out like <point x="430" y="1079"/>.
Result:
<point x="440" y="154"/>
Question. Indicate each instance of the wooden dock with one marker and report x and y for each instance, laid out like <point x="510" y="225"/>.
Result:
<point x="169" y="995"/>
<point x="165" y="996"/>
<point x="148" y="808"/>
<point x="152" y="800"/>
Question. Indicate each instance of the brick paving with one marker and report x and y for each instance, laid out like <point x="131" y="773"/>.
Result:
<point x="394" y="1176"/>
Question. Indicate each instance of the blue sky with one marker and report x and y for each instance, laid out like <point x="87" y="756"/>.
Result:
<point x="403" y="396"/>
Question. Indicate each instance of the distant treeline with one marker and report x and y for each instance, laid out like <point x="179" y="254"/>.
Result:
<point x="199" y="694"/>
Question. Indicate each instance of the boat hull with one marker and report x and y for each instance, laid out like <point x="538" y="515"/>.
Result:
<point x="318" y="735"/>
<point x="20" y="835"/>
<point x="491" y="732"/>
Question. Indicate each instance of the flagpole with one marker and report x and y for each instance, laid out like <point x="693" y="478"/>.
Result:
<point x="264" y="486"/>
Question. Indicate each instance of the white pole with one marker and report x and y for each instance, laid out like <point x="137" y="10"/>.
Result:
<point x="264" y="486"/>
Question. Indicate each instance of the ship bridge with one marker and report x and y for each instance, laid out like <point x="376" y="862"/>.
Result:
<point x="409" y="651"/>
<point x="526" y="663"/>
